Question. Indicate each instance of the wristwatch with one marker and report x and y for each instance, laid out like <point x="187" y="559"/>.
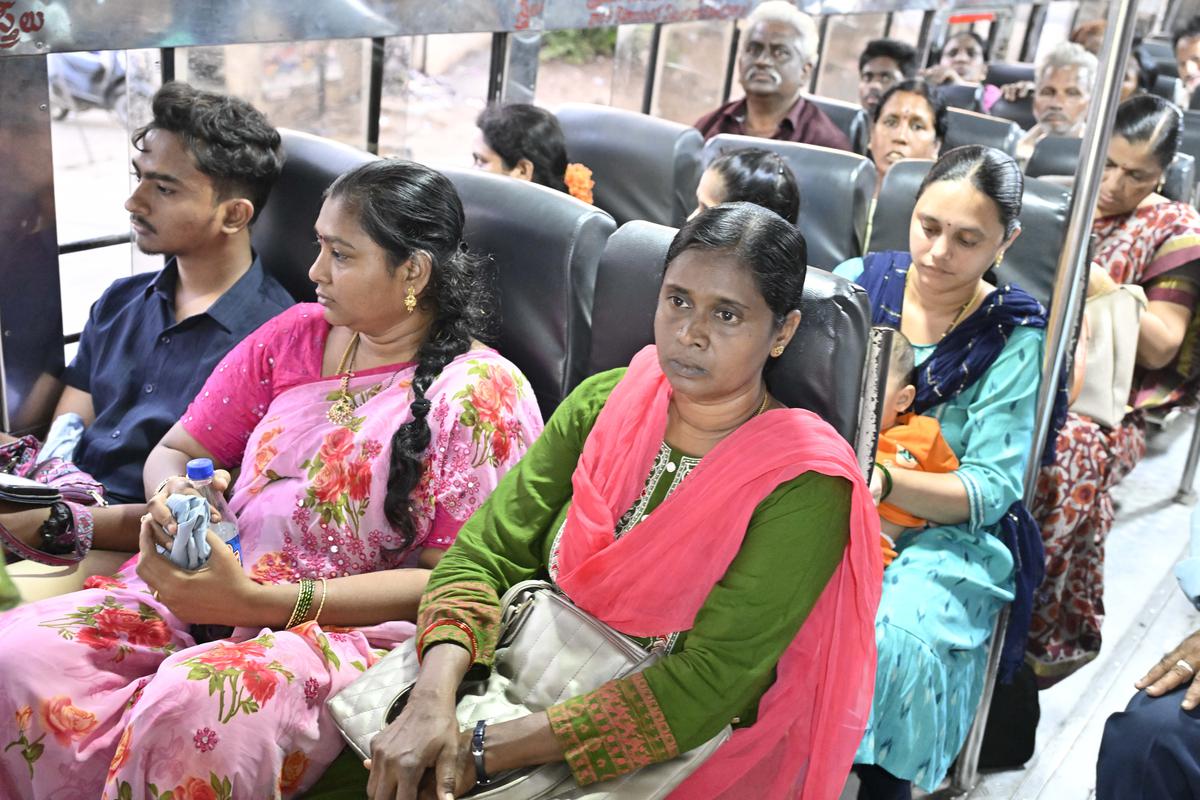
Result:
<point x="481" y="776"/>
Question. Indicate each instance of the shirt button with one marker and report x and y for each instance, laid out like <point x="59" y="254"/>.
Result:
<point x="164" y="339"/>
<point x="149" y="387"/>
<point x="116" y="433"/>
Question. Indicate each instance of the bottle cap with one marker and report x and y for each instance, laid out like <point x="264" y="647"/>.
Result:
<point x="200" y="469"/>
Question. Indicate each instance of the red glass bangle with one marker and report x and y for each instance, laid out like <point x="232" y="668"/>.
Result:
<point x="462" y="626"/>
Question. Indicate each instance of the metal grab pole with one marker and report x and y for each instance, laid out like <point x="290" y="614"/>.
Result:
<point x="1068" y="297"/>
<point x="1069" y="283"/>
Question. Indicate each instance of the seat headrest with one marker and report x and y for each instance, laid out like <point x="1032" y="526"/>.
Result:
<point x="894" y="206"/>
<point x="1032" y="260"/>
<point x="1166" y="87"/>
<point x="644" y="167"/>
<point x="282" y="234"/>
<point x="1190" y="143"/>
<point x="1179" y="180"/>
<point x="969" y="127"/>
<point x="836" y="187"/>
<point x="851" y="118"/>
<point x="821" y="370"/>
<point x="545" y="246"/>
<point x="1018" y="111"/>
<point x="1160" y="55"/>
<point x="1054" y="155"/>
<point x="1000" y="73"/>
<point x="962" y="95"/>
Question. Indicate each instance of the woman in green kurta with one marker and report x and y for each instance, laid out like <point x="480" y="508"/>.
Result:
<point x="711" y="498"/>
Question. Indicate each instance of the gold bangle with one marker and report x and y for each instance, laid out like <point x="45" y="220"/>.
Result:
<point x="303" y="602"/>
<point x="164" y="483"/>
<point x="321" y="605"/>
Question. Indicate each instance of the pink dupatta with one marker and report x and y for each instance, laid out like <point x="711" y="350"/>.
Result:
<point x="812" y="719"/>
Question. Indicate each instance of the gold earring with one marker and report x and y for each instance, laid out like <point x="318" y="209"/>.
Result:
<point x="1161" y="183"/>
<point x="778" y="349"/>
<point x="999" y="258"/>
<point x="410" y="300"/>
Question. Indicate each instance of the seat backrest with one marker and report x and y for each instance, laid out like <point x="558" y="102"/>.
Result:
<point x="1190" y="143"/>
<point x="1160" y="55"/>
<point x="1033" y="258"/>
<point x="1179" y="180"/>
<point x="970" y="127"/>
<point x="821" y="370"/>
<point x="962" y="95"/>
<point x="836" y="188"/>
<point x="644" y="167"/>
<point x="282" y="234"/>
<point x="1000" y="73"/>
<point x="1018" y="111"/>
<point x="1166" y="87"/>
<point x="850" y="117"/>
<point x="545" y="246"/>
<point x="893" y="207"/>
<point x="1054" y="155"/>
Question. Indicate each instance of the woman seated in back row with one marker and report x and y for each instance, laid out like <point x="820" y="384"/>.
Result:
<point x="753" y="175"/>
<point x="368" y="429"/>
<point x="526" y="142"/>
<point x="978" y="351"/>
<point x="678" y="501"/>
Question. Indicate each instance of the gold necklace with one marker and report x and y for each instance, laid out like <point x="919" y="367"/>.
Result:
<point x="342" y="410"/>
<point x="957" y="317"/>
<point x="766" y="400"/>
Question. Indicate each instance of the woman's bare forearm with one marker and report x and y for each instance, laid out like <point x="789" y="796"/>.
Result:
<point x="354" y="600"/>
<point x="940" y="498"/>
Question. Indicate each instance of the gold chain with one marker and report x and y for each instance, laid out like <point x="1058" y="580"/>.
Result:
<point x="957" y="317"/>
<point x="342" y="410"/>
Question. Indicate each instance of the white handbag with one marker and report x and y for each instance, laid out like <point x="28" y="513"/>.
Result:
<point x="1113" y="321"/>
<point x="549" y="651"/>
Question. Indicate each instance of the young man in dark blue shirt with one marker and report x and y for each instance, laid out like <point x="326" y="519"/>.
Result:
<point x="204" y="168"/>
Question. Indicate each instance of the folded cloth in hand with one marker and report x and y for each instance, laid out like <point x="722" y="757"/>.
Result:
<point x="1187" y="571"/>
<point x="63" y="437"/>
<point x="190" y="549"/>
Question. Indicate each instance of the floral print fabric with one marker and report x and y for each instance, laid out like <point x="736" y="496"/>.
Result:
<point x="136" y="707"/>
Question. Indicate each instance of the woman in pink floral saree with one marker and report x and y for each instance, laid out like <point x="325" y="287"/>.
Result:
<point x="368" y="429"/>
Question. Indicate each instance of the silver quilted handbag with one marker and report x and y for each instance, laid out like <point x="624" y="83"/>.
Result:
<point x="549" y="651"/>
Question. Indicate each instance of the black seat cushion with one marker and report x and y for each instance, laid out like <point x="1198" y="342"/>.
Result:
<point x="1018" y="111"/>
<point x="1166" y="86"/>
<point x="644" y="167"/>
<point x="546" y="247"/>
<point x="282" y="234"/>
<point x="1031" y="262"/>
<point x="821" y="370"/>
<point x="962" y="95"/>
<point x="835" y="193"/>
<point x="969" y="127"/>
<point x="850" y="117"/>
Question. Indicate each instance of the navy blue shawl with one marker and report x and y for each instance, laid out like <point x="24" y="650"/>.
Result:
<point x="958" y="360"/>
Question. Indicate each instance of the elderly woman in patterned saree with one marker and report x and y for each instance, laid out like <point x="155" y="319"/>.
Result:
<point x="978" y="350"/>
<point x="677" y="501"/>
<point x="368" y="429"/>
<point x="1147" y="240"/>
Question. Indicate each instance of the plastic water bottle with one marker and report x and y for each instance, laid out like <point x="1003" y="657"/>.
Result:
<point x="200" y="473"/>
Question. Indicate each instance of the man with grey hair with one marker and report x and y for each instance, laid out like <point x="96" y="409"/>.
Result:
<point x="1061" y="96"/>
<point x="779" y="51"/>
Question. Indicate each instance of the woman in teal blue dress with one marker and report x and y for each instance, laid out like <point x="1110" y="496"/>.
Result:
<point x="979" y="352"/>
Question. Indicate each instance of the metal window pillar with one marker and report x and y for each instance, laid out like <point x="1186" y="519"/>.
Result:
<point x="514" y="67"/>
<point x="1069" y="289"/>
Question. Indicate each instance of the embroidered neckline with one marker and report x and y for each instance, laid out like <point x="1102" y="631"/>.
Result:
<point x="662" y="463"/>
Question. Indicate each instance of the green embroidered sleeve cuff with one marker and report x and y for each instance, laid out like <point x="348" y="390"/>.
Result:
<point x="616" y="729"/>
<point x="467" y="614"/>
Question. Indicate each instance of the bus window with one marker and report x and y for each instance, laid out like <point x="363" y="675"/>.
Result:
<point x="576" y="67"/>
<point x="691" y="69"/>
<point x="431" y="105"/>
<point x="844" y="39"/>
<point x="906" y="27"/>
<point x="630" y="62"/>
<point x="318" y="87"/>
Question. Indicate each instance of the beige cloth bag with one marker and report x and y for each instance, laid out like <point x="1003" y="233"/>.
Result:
<point x="1113" y="318"/>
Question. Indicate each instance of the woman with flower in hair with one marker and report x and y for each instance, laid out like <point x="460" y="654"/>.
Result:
<point x="368" y="428"/>
<point x="527" y="143"/>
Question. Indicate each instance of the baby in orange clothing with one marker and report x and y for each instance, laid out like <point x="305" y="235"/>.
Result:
<point x="906" y="441"/>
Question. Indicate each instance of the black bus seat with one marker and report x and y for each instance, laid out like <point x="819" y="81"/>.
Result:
<point x="850" y="117"/>
<point x="546" y="247"/>
<point x="1018" y="111"/>
<point x="836" y="188"/>
<point x="1160" y="55"/>
<point x="1057" y="155"/>
<point x="962" y="95"/>
<point x="282" y="234"/>
<point x="1167" y="87"/>
<point x="1190" y="143"/>
<point x="1031" y="262"/>
<point x="644" y="167"/>
<point x="971" y="127"/>
<point x="823" y="369"/>
<point x="1002" y="73"/>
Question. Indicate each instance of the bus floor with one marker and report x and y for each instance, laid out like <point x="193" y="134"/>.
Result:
<point x="1146" y="616"/>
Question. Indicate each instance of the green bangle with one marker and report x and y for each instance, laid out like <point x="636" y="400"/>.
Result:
<point x="303" y="602"/>
<point x="887" y="481"/>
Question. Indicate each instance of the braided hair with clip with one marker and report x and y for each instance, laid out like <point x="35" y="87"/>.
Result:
<point x="409" y="209"/>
